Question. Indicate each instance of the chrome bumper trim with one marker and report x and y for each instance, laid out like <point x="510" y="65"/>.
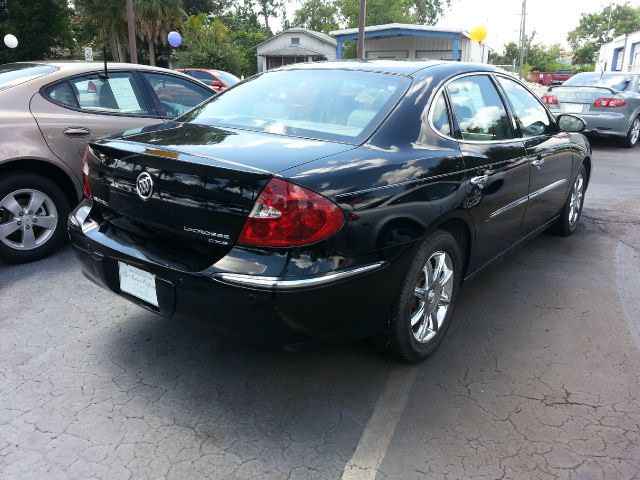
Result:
<point x="276" y="283"/>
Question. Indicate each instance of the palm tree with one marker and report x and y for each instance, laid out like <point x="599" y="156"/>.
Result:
<point x="154" y="19"/>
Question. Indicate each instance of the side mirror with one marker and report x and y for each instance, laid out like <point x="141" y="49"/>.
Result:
<point x="570" y="123"/>
<point x="217" y="85"/>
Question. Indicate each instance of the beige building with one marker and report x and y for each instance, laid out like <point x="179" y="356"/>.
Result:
<point x="295" y="45"/>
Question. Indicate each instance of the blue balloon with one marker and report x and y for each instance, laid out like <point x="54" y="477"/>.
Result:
<point x="174" y="39"/>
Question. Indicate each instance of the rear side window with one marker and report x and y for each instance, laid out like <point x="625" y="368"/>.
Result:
<point x="118" y="94"/>
<point x="478" y="109"/>
<point x="530" y="114"/>
<point x="204" y="76"/>
<point x="176" y="95"/>
<point x="14" y="73"/>
<point x="440" y="116"/>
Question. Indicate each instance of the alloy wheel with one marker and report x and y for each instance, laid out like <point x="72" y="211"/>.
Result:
<point x="28" y="218"/>
<point x="575" y="203"/>
<point x="432" y="297"/>
<point x="635" y="131"/>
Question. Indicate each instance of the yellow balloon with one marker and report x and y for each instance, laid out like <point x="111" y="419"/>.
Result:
<point x="478" y="33"/>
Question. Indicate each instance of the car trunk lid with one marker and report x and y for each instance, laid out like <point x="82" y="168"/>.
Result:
<point x="577" y="99"/>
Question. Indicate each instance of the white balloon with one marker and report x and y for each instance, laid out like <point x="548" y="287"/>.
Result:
<point x="10" y="40"/>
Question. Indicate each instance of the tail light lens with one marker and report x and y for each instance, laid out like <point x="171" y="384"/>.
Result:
<point x="86" y="188"/>
<point x="287" y="215"/>
<point x="550" y="99"/>
<point x="610" y="102"/>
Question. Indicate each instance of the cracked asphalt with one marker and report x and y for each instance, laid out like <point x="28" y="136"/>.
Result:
<point x="539" y="376"/>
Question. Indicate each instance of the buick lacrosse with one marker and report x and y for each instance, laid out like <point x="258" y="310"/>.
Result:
<point x="330" y="201"/>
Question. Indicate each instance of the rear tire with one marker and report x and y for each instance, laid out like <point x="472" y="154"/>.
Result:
<point x="425" y="300"/>
<point x="33" y="217"/>
<point x="572" y="211"/>
<point x="631" y="140"/>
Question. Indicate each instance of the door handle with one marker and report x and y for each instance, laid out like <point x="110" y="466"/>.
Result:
<point x="479" y="181"/>
<point x="538" y="162"/>
<point x="77" y="132"/>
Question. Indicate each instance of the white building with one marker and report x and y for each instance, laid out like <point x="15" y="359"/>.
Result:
<point x="401" y="41"/>
<point x="295" y="45"/>
<point x="622" y="54"/>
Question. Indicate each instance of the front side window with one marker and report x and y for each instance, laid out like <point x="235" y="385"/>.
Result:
<point x="338" y="105"/>
<point x="530" y="114"/>
<point x="176" y="95"/>
<point x="117" y="94"/>
<point x="478" y="109"/>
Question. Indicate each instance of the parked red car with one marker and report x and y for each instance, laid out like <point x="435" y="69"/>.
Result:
<point x="219" y="80"/>
<point x="549" y="78"/>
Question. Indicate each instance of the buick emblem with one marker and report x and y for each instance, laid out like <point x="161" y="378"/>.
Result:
<point x="144" y="186"/>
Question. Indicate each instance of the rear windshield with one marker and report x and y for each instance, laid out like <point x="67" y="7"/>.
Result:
<point x="614" y="81"/>
<point x="337" y="105"/>
<point x="14" y="73"/>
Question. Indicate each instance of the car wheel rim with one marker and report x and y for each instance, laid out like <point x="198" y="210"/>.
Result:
<point x="575" y="202"/>
<point x="432" y="297"/>
<point x="635" y="131"/>
<point x="28" y="219"/>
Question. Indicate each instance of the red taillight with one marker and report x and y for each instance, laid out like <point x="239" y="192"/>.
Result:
<point x="550" y="99"/>
<point x="86" y="188"/>
<point x="287" y="215"/>
<point x="610" y="102"/>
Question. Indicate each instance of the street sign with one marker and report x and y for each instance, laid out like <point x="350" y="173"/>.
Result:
<point x="88" y="54"/>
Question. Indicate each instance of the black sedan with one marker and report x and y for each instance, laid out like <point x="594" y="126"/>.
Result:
<point x="331" y="201"/>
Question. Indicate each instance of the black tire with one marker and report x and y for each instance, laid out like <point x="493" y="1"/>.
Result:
<point x="564" y="225"/>
<point x="631" y="140"/>
<point x="398" y="339"/>
<point x="19" y="181"/>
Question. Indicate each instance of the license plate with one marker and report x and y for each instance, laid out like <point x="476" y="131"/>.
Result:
<point x="572" y="107"/>
<point x="138" y="283"/>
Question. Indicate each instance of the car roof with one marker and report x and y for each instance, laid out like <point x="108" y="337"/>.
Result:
<point x="398" y="67"/>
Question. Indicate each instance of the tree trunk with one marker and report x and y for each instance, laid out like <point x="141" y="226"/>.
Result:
<point x="265" y="14"/>
<point x="113" y="46"/>
<point x="152" y="50"/>
<point x="119" y="47"/>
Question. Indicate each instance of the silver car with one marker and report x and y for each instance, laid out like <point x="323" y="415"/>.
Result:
<point x="609" y="103"/>
<point x="48" y="113"/>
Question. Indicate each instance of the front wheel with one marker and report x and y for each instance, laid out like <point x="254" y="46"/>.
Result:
<point x="33" y="214"/>
<point x="633" y="134"/>
<point x="572" y="210"/>
<point x="423" y="308"/>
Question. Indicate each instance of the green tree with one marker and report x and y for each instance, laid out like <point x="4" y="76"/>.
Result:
<point x="43" y="29"/>
<point x="245" y="32"/>
<point x="101" y="21"/>
<point x="598" y="28"/>
<point x="207" y="43"/>
<point x="154" y="20"/>
<point x="267" y="9"/>
<point x="402" y="11"/>
<point x="318" y="15"/>
<point x="212" y="7"/>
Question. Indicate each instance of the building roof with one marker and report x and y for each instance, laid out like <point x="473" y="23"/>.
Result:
<point x="290" y="51"/>
<point x="319" y="35"/>
<point x="407" y="27"/>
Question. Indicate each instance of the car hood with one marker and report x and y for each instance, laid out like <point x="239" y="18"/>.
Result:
<point x="264" y="151"/>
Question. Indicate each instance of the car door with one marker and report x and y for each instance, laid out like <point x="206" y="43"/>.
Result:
<point x="496" y="162"/>
<point x="549" y="153"/>
<point x="78" y="109"/>
<point x="174" y="95"/>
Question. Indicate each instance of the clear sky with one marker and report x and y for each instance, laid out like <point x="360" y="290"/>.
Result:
<point x="552" y="19"/>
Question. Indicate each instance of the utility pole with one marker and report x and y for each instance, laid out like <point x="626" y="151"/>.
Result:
<point x="131" y="27"/>
<point x="363" y="14"/>
<point x="523" y="38"/>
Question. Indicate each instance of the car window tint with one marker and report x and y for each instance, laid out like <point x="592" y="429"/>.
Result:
<point x="118" y="94"/>
<point x="440" y="116"/>
<point x="200" y="75"/>
<point x="530" y="114"/>
<point x="478" y="109"/>
<point x="176" y="95"/>
<point x="62" y="93"/>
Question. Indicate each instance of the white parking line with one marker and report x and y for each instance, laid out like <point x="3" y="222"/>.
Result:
<point x="365" y="461"/>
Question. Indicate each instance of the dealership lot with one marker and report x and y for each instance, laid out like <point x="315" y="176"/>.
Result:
<point x="538" y="377"/>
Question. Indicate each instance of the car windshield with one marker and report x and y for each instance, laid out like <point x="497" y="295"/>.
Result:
<point x="335" y="105"/>
<point x="14" y="73"/>
<point x="614" y="81"/>
<point x="227" y="78"/>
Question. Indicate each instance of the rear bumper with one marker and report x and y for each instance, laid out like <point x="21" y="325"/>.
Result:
<point x="605" y="123"/>
<point x="344" y="304"/>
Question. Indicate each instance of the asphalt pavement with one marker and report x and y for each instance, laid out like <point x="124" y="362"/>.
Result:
<point x="539" y="376"/>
